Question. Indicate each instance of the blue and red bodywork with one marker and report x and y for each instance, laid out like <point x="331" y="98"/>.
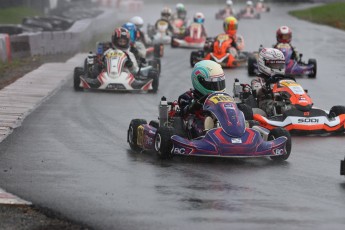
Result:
<point x="231" y="139"/>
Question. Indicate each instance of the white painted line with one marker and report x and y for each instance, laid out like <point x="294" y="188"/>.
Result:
<point x="8" y="198"/>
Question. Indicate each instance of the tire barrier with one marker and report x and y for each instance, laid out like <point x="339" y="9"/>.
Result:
<point x="5" y="48"/>
<point x="20" y="46"/>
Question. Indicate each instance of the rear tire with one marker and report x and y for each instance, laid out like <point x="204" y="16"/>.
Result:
<point x="158" y="50"/>
<point x="312" y="62"/>
<point x="173" y="45"/>
<point x="132" y="133"/>
<point x="153" y="74"/>
<point x="337" y="110"/>
<point x="251" y="65"/>
<point x="163" y="142"/>
<point x="281" y="132"/>
<point x="78" y="71"/>
<point x="156" y="64"/>
<point x="247" y="111"/>
<point x="193" y="58"/>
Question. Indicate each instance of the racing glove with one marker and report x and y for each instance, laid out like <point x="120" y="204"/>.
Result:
<point x="129" y="63"/>
<point x="194" y="106"/>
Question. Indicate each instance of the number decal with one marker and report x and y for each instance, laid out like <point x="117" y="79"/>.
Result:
<point x="223" y="99"/>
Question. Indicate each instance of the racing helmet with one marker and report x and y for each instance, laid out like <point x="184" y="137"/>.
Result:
<point x="230" y="25"/>
<point x="137" y="21"/>
<point x="249" y="3"/>
<point x="284" y="34"/>
<point x="181" y="11"/>
<point x="132" y="30"/>
<point x="166" y="13"/>
<point x="121" y="38"/>
<point x="208" y="77"/>
<point x="271" y="61"/>
<point x="229" y="3"/>
<point x="199" y="18"/>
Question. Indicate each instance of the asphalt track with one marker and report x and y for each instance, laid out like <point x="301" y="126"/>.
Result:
<point x="70" y="154"/>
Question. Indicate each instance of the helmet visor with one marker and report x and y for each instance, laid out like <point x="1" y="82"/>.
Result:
<point x="199" y="20"/>
<point x="285" y="36"/>
<point x="165" y="15"/>
<point x="275" y="64"/>
<point x="122" y="41"/>
<point x="216" y="83"/>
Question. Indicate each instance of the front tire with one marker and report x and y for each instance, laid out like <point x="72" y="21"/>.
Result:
<point x="247" y="111"/>
<point x="337" y="110"/>
<point x="281" y="132"/>
<point x="312" y="62"/>
<point x="132" y="133"/>
<point x="153" y="74"/>
<point x="163" y="142"/>
<point x="251" y="65"/>
<point x="78" y="71"/>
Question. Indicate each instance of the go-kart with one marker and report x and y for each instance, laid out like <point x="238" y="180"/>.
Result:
<point x="111" y="74"/>
<point x="261" y="7"/>
<point x="224" y="13"/>
<point x="193" y="40"/>
<point x="248" y="14"/>
<point x="226" y="133"/>
<point x="221" y="51"/>
<point x="290" y="107"/>
<point x="161" y="34"/>
<point x="293" y="68"/>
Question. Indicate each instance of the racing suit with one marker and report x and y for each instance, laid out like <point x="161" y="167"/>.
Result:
<point x="191" y="111"/>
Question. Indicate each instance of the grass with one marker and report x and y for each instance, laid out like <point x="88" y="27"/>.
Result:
<point x="15" y="15"/>
<point x="332" y="14"/>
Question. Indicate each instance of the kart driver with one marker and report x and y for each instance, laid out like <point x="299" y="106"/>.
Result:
<point x="230" y="26"/>
<point x="141" y="35"/>
<point x="228" y="10"/>
<point x="120" y="40"/>
<point x="181" y="13"/>
<point x="284" y="36"/>
<point x="165" y="16"/>
<point x="137" y="48"/>
<point x="249" y="7"/>
<point x="271" y="62"/>
<point x="198" y="22"/>
<point x="207" y="77"/>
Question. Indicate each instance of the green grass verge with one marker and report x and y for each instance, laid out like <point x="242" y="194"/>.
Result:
<point x="16" y="14"/>
<point x="332" y="14"/>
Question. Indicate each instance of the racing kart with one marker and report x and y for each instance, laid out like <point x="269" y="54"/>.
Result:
<point x="193" y="40"/>
<point x="261" y="7"/>
<point x="290" y="108"/>
<point x="113" y="75"/>
<point x="224" y="13"/>
<point x="293" y="68"/>
<point x="226" y="133"/>
<point x="248" y="14"/>
<point x="221" y="51"/>
<point x="161" y="34"/>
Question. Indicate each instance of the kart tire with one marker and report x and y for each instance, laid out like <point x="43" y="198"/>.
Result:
<point x="132" y="133"/>
<point x="158" y="50"/>
<point x="312" y="62"/>
<point x="153" y="74"/>
<point x="336" y="111"/>
<point x="163" y="142"/>
<point x="173" y="45"/>
<point x="251" y="65"/>
<point x="281" y="132"/>
<point x="154" y="124"/>
<point x="246" y="110"/>
<point x="193" y="59"/>
<point x="76" y="78"/>
<point x="156" y="64"/>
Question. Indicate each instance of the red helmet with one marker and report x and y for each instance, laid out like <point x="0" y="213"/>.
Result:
<point x="284" y="34"/>
<point x="121" y="38"/>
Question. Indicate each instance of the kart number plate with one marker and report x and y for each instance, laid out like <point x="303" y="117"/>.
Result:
<point x="223" y="99"/>
<point x="223" y="37"/>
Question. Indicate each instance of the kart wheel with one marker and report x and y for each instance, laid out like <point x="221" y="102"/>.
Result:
<point x="154" y="124"/>
<point x="163" y="142"/>
<point x="251" y="65"/>
<point x="76" y="78"/>
<point x="132" y="133"/>
<point x="173" y="45"/>
<point x="156" y="64"/>
<point x="247" y="111"/>
<point x="336" y="111"/>
<point x="153" y="74"/>
<point x="157" y="52"/>
<point x="193" y="59"/>
<point x="281" y="132"/>
<point x="312" y="62"/>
